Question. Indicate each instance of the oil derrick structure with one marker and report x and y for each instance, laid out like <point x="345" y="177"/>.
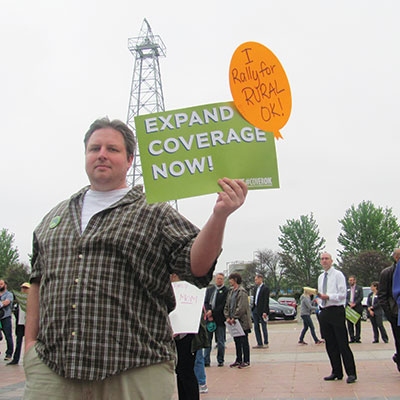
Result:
<point x="146" y="94"/>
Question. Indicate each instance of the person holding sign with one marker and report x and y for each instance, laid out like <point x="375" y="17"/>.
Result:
<point x="114" y="340"/>
<point x="20" y="316"/>
<point x="237" y="312"/>
<point x="189" y="369"/>
<point x="306" y="307"/>
<point x="214" y="303"/>
<point x="332" y="293"/>
<point x="354" y="298"/>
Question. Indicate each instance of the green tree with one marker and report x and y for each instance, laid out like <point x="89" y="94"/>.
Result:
<point x="368" y="228"/>
<point x="366" y="266"/>
<point x="301" y="245"/>
<point x="248" y="277"/>
<point x="268" y="263"/>
<point x="17" y="274"/>
<point x="8" y="253"/>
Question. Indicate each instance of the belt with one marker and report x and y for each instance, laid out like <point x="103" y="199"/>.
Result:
<point x="328" y="307"/>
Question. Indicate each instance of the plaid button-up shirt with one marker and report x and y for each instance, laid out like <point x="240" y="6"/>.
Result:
<point x="105" y="293"/>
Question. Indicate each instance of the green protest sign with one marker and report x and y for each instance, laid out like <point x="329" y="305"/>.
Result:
<point x="184" y="152"/>
<point x="352" y="315"/>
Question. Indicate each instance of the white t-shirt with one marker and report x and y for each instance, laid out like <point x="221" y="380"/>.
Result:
<point x="95" y="201"/>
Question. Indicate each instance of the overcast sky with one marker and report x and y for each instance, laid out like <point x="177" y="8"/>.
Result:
<point x="66" y="63"/>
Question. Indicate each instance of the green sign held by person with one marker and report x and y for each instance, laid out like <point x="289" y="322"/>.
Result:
<point x="184" y="152"/>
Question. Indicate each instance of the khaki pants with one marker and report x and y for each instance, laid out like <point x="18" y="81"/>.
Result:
<point x="153" y="382"/>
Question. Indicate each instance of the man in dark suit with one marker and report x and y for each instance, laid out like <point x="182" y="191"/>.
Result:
<point x="214" y="304"/>
<point x="388" y="303"/>
<point x="354" y="299"/>
<point x="260" y="311"/>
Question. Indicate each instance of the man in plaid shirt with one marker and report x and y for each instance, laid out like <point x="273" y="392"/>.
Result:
<point x="97" y="320"/>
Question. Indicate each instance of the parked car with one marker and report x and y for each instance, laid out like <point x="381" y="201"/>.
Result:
<point x="289" y="301"/>
<point x="366" y="292"/>
<point x="280" y="311"/>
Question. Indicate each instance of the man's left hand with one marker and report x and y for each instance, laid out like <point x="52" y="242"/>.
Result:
<point x="232" y="197"/>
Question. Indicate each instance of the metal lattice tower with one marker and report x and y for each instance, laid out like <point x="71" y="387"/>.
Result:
<point x="146" y="95"/>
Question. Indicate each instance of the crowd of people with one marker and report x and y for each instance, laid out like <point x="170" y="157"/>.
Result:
<point x="115" y="341"/>
<point x="233" y="306"/>
<point x="330" y="302"/>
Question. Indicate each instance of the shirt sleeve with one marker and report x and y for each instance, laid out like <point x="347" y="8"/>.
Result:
<point x="396" y="284"/>
<point x="179" y="235"/>
<point x="338" y="289"/>
<point x="36" y="272"/>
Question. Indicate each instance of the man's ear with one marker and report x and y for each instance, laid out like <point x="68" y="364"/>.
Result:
<point x="130" y="161"/>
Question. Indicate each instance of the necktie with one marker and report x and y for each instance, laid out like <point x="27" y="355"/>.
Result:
<point x="257" y="293"/>
<point x="213" y="298"/>
<point x="324" y="287"/>
<point x="353" y="289"/>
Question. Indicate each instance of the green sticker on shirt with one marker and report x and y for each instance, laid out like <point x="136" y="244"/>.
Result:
<point x="54" y="222"/>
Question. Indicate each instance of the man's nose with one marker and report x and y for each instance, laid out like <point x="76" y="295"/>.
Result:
<point x="102" y="153"/>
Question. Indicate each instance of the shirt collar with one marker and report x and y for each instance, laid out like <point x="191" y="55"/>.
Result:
<point x="134" y="193"/>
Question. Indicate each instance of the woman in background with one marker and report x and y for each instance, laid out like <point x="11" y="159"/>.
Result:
<point x="375" y="314"/>
<point x="306" y="308"/>
<point x="237" y="308"/>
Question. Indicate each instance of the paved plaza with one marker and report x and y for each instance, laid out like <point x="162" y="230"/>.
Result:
<point x="285" y="370"/>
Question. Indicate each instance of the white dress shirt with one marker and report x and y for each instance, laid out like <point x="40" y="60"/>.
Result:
<point x="336" y="287"/>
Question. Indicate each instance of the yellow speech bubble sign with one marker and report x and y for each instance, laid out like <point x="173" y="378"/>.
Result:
<point x="259" y="87"/>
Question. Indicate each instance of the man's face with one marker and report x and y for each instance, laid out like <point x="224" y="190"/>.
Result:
<point x="106" y="160"/>
<point x="258" y="280"/>
<point x="326" y="261"/>
<point x="352" y="281"/>
<point x="219" y="280"/>
<point x="2" y="286"/>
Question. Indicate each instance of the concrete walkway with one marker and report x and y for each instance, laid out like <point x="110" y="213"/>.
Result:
<point x="285" y="370"/>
